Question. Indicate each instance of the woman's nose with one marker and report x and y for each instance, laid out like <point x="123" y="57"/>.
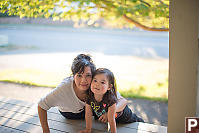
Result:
<point x="84" y="79"/>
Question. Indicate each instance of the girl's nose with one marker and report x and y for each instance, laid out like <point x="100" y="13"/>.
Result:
<point x="96" y="84"/>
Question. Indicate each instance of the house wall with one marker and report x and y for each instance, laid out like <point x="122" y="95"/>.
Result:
<point x="183" y="63"/>
<point x="197" y="101"/>
<point x="198" y="72"/>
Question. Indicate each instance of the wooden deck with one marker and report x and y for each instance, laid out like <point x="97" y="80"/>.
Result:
<point x="19" y="116"/>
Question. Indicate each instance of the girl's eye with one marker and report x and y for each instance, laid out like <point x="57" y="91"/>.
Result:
<point x="103" y="82"/>
<point x="94" y="80"/>
<point x="79" y="75"/>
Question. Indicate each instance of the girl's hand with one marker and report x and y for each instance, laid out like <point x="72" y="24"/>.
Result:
<point x="85" y="131"/>
<point x="103" y="118"/>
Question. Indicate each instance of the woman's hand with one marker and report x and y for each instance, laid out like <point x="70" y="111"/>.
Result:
<point x="46" y="130"/>
<point x="121" y="104"/>
<point x="85" y="131"/>
<point x="103" y="118"/>
<point x="43" y="119"/>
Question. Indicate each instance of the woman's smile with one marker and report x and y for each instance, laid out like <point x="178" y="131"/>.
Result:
<point x="84" y="85"/>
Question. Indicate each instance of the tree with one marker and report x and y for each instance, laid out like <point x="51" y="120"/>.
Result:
<point x="152" y="15"/>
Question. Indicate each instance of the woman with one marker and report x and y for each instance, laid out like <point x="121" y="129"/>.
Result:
<point x="70" y="95"/>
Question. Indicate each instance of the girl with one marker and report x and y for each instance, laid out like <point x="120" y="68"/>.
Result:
<point x="102" y="98"/>
<point x="70" y="95"/>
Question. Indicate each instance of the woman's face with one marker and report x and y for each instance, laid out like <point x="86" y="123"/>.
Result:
<point x="83" y="80"/>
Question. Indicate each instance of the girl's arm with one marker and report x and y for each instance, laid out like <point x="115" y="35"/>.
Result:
<point x="121" y="104"/>
<point x="88" y="118"/>
<point x="111" y="118"/>
<point x="43" y="119"/>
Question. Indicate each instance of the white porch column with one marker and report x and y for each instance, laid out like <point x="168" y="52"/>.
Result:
<point x="183" y="63"/>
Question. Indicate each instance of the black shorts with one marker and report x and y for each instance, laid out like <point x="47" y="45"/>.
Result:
<point x="74" y="116"/>
<point x="128" y="116"/>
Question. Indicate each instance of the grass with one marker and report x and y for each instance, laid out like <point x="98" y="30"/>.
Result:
<point x="127" y="93"/>
<point x="144" y="93"/>
<point x="26" y="83"/>
<point x="32" y="77"/>
<point x="141" y="78"/>
<point x="10" y="47"/>
<point x="130" y="95"/>
<point x="26" y="77"/>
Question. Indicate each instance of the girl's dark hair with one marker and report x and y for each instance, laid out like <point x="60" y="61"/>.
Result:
<point x="110" y="96"/>
<point x="80" y="62"/>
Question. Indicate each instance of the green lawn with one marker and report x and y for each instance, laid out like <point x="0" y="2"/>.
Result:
<point x="136" y="77"/>
<point x="156" y="92"/>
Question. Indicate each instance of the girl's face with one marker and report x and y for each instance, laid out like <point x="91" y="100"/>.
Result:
<point x="100" y="84"/>
<point x="83" y="80"/>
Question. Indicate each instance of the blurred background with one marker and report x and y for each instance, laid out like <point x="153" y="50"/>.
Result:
<point x="39" y="40"/>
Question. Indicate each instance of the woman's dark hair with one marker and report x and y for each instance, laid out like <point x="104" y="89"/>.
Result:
<point x="80" y="62"/>
<point x="110" y="96"/>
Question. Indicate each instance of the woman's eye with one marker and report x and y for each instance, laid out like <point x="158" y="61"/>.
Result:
<point x="103" y="82"/>
<point x="88" y="76"/>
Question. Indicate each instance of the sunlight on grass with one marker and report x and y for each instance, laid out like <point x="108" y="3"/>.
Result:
<point x="31" y="77"/>
<point x="158" y="92"/>
<point x="135" y="77"/>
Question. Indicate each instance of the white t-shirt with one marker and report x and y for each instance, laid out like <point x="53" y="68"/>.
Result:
<point x="64" y="97"/>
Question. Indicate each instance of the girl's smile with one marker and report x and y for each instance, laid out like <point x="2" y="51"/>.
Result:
<point x="100" y="84"/>
<point x="96" y="88"/>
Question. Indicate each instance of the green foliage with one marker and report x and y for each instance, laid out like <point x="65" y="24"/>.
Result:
<point x="4" y="15"/>
<point x="150" y="13"/>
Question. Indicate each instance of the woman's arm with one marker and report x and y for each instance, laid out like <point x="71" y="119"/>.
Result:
<point x="43" y="119"/>
<point x="111" y="118"/>
<point x="88" y="118"/>
<point x="121" y="104"/>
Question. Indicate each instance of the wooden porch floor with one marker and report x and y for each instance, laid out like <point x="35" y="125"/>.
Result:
<point x="20" y="116"/>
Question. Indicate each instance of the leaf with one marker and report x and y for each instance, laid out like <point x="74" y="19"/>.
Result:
<point x="55" y="18"/>
<point x="47" y="15"/>
<point x="134" y="1"/>
<point x="87" y="2"/>
<point x="141" y="7"/>
<point x="121" y="10"/>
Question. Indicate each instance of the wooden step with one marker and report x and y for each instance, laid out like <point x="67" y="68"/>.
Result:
<point x="20" y="116"/>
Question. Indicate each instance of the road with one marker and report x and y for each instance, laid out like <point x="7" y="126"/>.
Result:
<point x="48" y="39"/>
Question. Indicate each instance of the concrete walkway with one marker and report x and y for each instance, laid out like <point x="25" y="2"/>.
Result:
<point x="150" y="111"/>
